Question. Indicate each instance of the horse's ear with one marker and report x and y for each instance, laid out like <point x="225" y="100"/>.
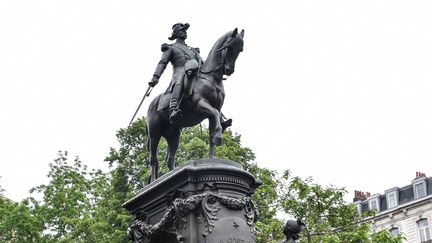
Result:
<point x="242" y="33"/>
<point x="234" y="33"/>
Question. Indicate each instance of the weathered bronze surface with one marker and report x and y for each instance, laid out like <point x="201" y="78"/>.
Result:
<point x="292" y="230"/>
<point x="196" y="92"/>
<point x="204" y="201"/>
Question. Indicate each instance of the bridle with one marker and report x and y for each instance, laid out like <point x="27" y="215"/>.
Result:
<point x="224" y="50"/>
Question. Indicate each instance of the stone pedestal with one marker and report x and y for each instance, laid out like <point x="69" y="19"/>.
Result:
<point x="203" y="201"/>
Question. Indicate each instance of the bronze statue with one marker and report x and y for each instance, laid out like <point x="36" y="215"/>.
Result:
<point x="293" y="229"/>
<point x="196" y="92"/>
<point x="179" y="54"/>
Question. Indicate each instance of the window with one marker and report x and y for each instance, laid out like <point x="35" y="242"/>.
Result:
<point x="359" y="207"/>
<point x="391" y="200"/>
<point x="373" y="204"/>
<point x="424" y="230"/>
<point x="419" y="190"/>
<point x="394" y="231"/>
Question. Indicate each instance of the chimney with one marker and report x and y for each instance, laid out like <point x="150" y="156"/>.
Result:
<point x="359" y="196"/>
<point x="420" y="174"/>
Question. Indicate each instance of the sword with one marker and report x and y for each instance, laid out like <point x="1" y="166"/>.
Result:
<point x="147" y="93"/>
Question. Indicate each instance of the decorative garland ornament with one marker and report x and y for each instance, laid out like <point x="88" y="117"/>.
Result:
<point x="209" y="204"/>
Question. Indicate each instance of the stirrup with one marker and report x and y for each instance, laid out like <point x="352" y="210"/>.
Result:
<point x="175" y="115"/>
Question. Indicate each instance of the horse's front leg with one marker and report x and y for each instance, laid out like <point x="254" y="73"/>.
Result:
<point x="214" y="124"/>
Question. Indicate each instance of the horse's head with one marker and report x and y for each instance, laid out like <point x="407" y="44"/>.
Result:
<point x="230" y="50"/>
<point x="224" y="53"/>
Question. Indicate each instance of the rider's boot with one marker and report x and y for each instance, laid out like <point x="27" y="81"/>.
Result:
<point x="175" y="112"/>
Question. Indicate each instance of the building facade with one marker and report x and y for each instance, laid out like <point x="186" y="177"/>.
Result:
<point x="406" y="210"/>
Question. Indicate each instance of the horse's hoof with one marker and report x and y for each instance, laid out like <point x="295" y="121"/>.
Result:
<point x="152" y="178"/>
<point x="217" y="141"/>
<point x="226" y="124"/>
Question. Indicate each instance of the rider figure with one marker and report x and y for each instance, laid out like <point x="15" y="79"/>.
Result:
<point x="178" y="53"/>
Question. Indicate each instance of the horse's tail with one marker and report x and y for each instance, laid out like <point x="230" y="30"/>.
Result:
<point x="148" y="138"/>
<point x="152" y="108"/>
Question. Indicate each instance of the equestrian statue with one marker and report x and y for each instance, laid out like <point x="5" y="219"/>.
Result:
<point x="196" y="92"/>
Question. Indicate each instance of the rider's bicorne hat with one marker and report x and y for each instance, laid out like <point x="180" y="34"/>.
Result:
<point x="177" y="27"/>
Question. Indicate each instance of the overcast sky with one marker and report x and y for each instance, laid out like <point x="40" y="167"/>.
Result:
<point x="336" y="90"/>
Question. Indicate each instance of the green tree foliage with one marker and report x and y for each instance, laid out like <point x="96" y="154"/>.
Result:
<point x="387" y="237"/>
<point x="328" y="217"/>
<point x="269" y="228"/>
<point x="66" y="200"/>
<point x="18" y="222"/>
<point x="130" y="169"/>
<point x="82" y="205"/>
<point x="130" y="162"/>
<point x="1" y="190"/>
<point x="132" y="156"/>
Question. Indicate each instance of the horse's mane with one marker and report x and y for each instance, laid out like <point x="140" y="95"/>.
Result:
<point x="213" y="60"/>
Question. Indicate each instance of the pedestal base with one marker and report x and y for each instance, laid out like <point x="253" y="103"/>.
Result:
<point x="203" y="201"/>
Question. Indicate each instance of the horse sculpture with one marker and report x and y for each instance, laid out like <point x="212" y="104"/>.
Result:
<point x="205" y="101"/>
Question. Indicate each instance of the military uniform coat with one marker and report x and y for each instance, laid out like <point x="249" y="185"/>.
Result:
<point x="178" y="54"/>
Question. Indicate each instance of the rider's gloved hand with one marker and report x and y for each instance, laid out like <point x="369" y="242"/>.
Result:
<point x="154" y="81"/>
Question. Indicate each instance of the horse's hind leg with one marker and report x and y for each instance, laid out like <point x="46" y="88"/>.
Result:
<point x="154" y="163"/>
<point x="173" y="142"/>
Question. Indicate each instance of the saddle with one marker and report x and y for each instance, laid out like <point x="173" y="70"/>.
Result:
<point x="165" y="98"/>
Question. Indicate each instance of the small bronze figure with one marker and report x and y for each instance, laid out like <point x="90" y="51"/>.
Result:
<point x="292" y="230"/>
<point x="196" y="92"/>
